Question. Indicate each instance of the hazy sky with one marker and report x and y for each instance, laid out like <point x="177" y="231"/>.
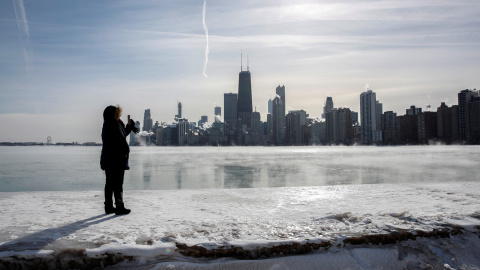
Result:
<point x="63" y="62"/>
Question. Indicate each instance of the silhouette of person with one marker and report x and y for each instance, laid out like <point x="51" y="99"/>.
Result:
<point x="114" y="157"/>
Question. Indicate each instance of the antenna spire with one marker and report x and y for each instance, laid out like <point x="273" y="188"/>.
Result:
<point x="241" y="60"/>
<point x="248" y="69"/>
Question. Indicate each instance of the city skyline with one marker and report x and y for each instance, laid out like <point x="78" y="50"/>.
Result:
<point x="61" y="68"/>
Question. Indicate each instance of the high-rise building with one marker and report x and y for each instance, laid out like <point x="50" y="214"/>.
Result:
<point x="278" y="119"/>
<point x="331" y="126"/>
<point x="147" y="121"/>
<point x="427" y="127"/>
<point x="345" y="135"/>
<point x="378" y="114"/>
<point x="218" y="111"/>
<point x="295" y="124"/>
<point x="355" y="118"/>
<point x="447" y="123"/>
<point x="280" y="91"/>
<point x="183" y="129"/>
<point x="318" y="132"/>
<point x="474" y="120"/>
<point x="327" y="107"/>
<point x="464" y="98"/>
<point x="203" y="120"/>
<point x="270" y="106"/>
<point x="230" y="109"/>
<point x="244" y="105"/>
<point x="413" y="110"/>
<point x="179" y="107"/>
<point x="368" y="116"/>
<point x="389" y="128"/>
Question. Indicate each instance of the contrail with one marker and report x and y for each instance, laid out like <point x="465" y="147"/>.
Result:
<point x="21" y="16"/>
<point x="24" y="33"/>
<point x="206" y="34"/>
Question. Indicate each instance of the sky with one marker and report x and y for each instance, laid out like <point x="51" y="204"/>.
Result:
<point x="63" y="62"/>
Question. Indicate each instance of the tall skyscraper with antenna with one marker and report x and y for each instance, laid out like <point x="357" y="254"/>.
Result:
<point x="244" y="106"/>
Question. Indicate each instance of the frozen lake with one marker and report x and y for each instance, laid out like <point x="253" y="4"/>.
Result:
<point x="52" y="168"/>
<point x="342" y="207"/>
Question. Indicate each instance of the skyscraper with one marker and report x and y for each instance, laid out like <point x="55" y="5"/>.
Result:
<point x="278" y="117"/>
<point x="368" y="116"/>
<point x="147" y="121"/>
<point x="328" y="106"/>
<point x="230" y="109"/>
<point x="218" y="111"/>
<point x="179" y="105"/>
<point x="464" y="98"/>
<point x="447" y="123"/>
<point x="281" y="92"/>
<point x="378" y="114"/>
<point x="244" y="105"/>
<point x="270" y="106"/>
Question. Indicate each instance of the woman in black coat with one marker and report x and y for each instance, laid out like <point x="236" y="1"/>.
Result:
<point x="114" y="158"/>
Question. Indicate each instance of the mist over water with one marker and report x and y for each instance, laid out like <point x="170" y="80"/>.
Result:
<point x="152" y="168"/>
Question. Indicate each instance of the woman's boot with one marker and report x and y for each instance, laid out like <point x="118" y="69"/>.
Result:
<point x="121" y="210"/>
<point x="109" y="209"/>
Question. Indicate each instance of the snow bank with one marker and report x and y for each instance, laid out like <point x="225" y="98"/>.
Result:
<point x="354" y="226"/>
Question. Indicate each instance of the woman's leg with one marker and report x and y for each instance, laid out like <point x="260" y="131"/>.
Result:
<point x="118" y="187"/>
<point x="118" y="193"/>
<point x="109" y="188"/>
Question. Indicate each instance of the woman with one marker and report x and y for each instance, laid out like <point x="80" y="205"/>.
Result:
<point x="114" y="158"/>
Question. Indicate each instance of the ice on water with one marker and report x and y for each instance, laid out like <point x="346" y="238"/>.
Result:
<point x="44" y="223"/>
<point x="194" y="197"/>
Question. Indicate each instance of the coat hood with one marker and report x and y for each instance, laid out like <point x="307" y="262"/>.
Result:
<point x="109" y="113"/>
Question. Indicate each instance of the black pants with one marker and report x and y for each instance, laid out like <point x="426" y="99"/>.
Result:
<point x="114" y="186"/>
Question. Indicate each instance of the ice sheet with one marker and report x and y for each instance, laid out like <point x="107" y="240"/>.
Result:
<point x="164" y="224"/>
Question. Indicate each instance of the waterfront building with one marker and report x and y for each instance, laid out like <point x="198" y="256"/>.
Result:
<point x="317" y="131"/>
<point x="345" y="135"/>
<point x="447" y="123"/>
<point x="413" y="110"/>
<point x="389" y="121"/>
<point x="179" y="111"/>
<point x="332" y="126"/>
<point x="183" y="128"/>
<point x="389" y="128"/>
<point x="378" y="114"/>
<point x="230" y="109"/>
<point x="474" y="120"/>
<point x="295" y="123"/>
<point x="407" y="129"/>
<point x="203" y="120"/>
<point x="327" y="107"/>
<point x="218" y="111"/>
<point x="427" y="127"/>
<point x="355" y="118"/>
<point x="278" y="118"/>
<point x="244" y="105"/>
<point x="464" y="98"/>
<point x="368" y="117"/>
<point x="147" y="121"/>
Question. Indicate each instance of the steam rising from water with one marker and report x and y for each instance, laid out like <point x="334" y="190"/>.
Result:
<point x="206" y="35"/>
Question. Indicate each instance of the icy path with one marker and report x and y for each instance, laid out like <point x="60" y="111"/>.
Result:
<point x="169" y="228"/>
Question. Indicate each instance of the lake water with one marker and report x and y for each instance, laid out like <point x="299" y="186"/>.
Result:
<point x="41" y="168"/>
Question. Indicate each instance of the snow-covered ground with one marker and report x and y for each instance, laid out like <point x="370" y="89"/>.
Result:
<point x="389" y="226"/>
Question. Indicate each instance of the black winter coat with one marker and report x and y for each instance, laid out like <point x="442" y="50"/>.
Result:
<point x="115" y="150"/>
